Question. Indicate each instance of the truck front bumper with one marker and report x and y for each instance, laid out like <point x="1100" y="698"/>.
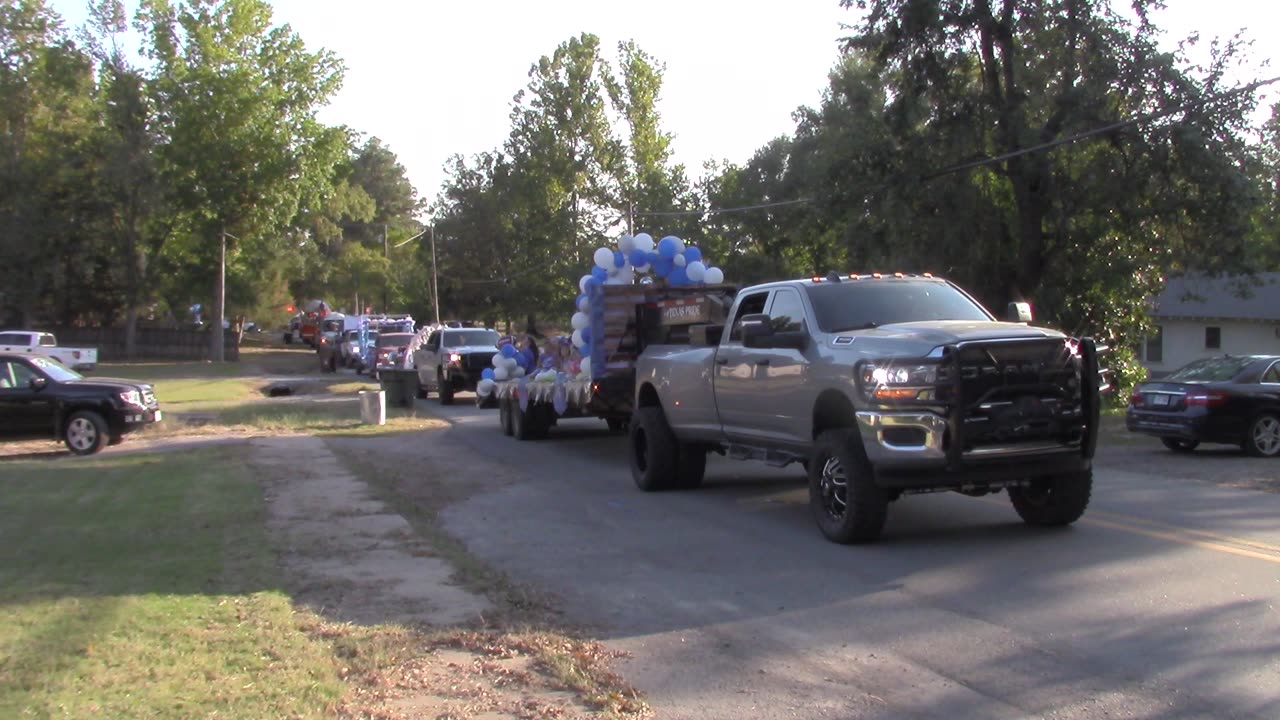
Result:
<point x="910" y="450"/>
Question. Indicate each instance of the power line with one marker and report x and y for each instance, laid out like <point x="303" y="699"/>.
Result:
<point x="714" y="211"/>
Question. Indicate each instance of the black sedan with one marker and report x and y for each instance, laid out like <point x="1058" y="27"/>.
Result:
<point x="1229" y="399"/>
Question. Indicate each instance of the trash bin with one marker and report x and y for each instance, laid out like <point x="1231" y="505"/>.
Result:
<point x="400" y="385"/>
<point x="392" y="386"/>
<point x="373" y="407"/>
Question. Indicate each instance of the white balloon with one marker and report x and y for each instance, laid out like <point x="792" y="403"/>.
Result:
<point x="485" y="387"/>
<point x="518" y="372"/>
<point x="586" y="366"/>
<point x="604" y="258"/>
<point x="626" y="275"/>
<point x="713" y="276"/>
<point x="614" y="280"/>
<point x="584" y="304"/>
<point x="498" y="360"/>
<point x="582" y="283"/>
<point x="500" y="373"/>
<point x="579" y="320"/>
<point x="511" y="365"/>
<point x="613" y="270"/>
<point x="678" y="260"/>
<point x="696" y="271"/>
<point x="577" y="338"/>
<point x="626" y="244"/>
<point x="644" y="242"/>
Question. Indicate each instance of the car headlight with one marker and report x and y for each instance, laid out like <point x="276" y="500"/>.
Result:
<point x="886" y="381"/>
<point x="131" y="397"/>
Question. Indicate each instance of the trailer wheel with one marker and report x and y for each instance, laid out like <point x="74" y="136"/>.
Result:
<point x="505" y="408"/>
<point x="523" y="424"/>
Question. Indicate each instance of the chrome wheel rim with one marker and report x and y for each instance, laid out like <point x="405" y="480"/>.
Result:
<point x="81" y="434"/>
<point x="835" y="488"/>
<point x="1266" y="436"/>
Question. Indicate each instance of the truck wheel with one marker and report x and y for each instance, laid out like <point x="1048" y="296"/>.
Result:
<point x="506" y="407"/>
<point x="653" y="450"/>
<point x="86" y="433"/>
<point x="691" y="466"/>
<point x="1053" y="501"/>
<point x="445" y="390"/>
<point x="1179" y="445"/>
<point x="845" y="501"/>
<point x="1263" y="438"/>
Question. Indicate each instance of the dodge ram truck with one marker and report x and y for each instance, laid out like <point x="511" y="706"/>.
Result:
<point x="882" y="386"/>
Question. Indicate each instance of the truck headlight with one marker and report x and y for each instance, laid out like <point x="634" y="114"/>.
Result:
<point x="454" y="358"/>
<point x="886" y="381"/>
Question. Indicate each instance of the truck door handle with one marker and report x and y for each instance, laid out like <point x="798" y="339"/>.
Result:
<point x="764" y="361"/>
<point x="722" y="361"/>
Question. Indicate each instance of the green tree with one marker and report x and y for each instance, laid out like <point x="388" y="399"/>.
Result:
<point x="237" y="98"/>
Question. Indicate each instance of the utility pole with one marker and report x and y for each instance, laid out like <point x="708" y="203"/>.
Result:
<point x="631" y="211"/>
<point x="217" y="353"/>
<point x="386" y="278"/>
<point x="435" y="280"/>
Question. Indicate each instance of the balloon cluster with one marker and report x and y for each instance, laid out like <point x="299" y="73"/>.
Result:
<point x="668" y="258"/>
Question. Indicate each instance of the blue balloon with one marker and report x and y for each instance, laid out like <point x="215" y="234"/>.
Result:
<point x="639" y="257"/>
<point x="586" y="335"/>
<point x="619" y="258"/>
<point x="599" y="273"/>
<point x="487" y="373"/>
<point x="586" y="350"/>
<point x="653" y="256"/>
<point x="508" y="350"/>
<point x="577" y="302"/>
<point x="663" y="267"/>
<point x="667" y="247"/>
<point x="678" y="276"/>
<point x="594" y="281"/>
<point x="692" y="254"/>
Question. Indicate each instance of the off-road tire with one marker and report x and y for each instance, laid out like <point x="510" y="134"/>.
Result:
<point x="691" y="466"/>
<point x="846" y="503"/>
<point x="445" y="389"/>
<point x="85" y="432"/>
<point x="1262" y="439"/>
<point x="1179" y="445"/>
<point x="524" y="426"/>
<point x="1054" y="501"/>
<point x="652" y="448"/>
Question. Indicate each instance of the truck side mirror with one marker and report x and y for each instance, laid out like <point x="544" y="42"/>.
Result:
<point x="1019" y="312"/>
<point x="756" y="328"/>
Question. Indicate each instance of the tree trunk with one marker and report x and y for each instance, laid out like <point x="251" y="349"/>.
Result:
<point x="131" y="332"/>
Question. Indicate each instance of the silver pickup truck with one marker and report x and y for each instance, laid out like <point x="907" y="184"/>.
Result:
<point x="881" y="386"/>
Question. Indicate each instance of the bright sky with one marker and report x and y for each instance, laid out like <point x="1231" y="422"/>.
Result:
<point x="433" y="78"/>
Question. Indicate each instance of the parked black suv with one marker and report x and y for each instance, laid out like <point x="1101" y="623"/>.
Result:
<point x="40" y="398"/>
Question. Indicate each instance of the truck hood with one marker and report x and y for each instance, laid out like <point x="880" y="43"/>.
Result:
<point x="101" y="384"/>
<point x="919" y="338"/>
<point x="470" y="349"/>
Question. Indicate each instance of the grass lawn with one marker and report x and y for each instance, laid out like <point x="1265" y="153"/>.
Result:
<point x="142" y="586"/>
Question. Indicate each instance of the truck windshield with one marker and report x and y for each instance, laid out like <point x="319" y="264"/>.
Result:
<point x="56" y="371"/>
<point x="863" y="304"/>
<point x="472" y="337"/>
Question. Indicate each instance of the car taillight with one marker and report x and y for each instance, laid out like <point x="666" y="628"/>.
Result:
<point x="1136" y="399"/>
<point x="1210" y="398"/>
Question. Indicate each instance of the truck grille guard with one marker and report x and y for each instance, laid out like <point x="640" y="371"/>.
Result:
<point x="1022" y="375"/>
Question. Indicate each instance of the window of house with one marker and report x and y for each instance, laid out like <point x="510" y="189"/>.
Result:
<point x="1213" y="338"/>
<point x="1155" y="345"/>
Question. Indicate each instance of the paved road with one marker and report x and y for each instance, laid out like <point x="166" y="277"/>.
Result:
<point x="1162" y="603"/>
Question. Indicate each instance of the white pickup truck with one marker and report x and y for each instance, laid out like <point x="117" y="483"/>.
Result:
<point x="42" y="343"/>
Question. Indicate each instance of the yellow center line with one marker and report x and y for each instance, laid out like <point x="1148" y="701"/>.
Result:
<point x="1196" y="538"/>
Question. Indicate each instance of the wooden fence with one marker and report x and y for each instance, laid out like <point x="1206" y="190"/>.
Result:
<point x="150" y="343"/>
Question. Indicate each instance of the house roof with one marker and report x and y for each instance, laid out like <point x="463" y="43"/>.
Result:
<point x="1226" y="298"/>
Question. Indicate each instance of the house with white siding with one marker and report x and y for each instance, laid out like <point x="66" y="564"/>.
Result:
<point x="1200" y="316"/>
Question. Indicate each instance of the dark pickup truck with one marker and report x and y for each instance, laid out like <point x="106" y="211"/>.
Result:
<point x="40" y="398"/>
